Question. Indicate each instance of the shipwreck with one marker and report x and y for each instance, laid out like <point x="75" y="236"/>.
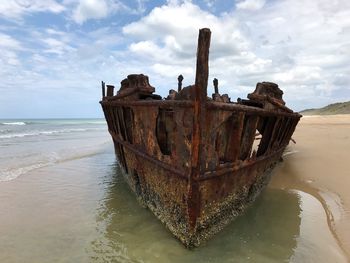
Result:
<point x="196" y="162"/>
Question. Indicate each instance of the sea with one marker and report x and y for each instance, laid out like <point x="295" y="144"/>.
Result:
<point x="63" y="199"/>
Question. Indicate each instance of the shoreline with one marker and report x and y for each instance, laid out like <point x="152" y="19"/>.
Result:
<point x="317" y="164"/>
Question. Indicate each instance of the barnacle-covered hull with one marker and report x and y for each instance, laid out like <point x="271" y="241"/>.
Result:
<point x="193" y="160"/>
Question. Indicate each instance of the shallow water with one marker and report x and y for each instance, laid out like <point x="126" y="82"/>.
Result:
<point x="81" y="210"/>
<point x="27" y="145"/>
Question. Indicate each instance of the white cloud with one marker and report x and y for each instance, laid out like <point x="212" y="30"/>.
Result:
<point x="251" y="5"/>
<point x="171" y="71"/>
<point x="141" y="7"/>
<point x="296" y="44"/>
<point x="168" y="35"/>
<point x="167" y="38"/>
<point x="209" y="3"/>
<point x="175" y="2"/>
<point x="90" y="9"/>
<point x="52" y="31"/>
<point x="17" y="8"/>
<point x="56" y="46"/>
<point x="99" y="9"/>
<point x="147" y="48"/>
<point x="8" y="59"/>
<point x="8" y="56"/>
<point x="60" y="61"/>
<point x="9" y="42"/>
<point x="309" y="37"/>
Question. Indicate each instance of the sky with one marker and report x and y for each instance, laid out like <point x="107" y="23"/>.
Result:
<point x="54" y="53"/>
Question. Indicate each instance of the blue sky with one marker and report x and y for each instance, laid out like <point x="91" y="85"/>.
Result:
<point x="54" y="53"/>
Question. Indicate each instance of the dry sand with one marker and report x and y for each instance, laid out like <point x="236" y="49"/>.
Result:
<point x="319" y="163"/>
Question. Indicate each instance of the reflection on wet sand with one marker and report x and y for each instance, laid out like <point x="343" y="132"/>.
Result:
<point x="278" y="227"/>
<point x="287" y="176"/>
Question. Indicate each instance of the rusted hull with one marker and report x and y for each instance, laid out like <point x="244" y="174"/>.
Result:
<point x="223" y="198"/>
<point x="229" y="183"/>
<point x="197" y="162"/>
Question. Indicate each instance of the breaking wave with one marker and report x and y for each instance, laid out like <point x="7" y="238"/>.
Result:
<point x="13" y="123"/>
<point x="52" y="121"/>
<point x="50" y="132"/>
<point x="289" y="152"/>
<point x="11" y="173"/>
<point x="5" y="131"/>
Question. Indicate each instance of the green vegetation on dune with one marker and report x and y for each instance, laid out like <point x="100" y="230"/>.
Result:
<point x="335" y="108"/>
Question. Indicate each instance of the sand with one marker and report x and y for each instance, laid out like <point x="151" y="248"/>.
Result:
<point x="319" y="163"/>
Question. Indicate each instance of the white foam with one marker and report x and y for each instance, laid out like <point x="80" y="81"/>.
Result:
<point x="14" y="123"/>
<point x="10" y="174"/>
<point x="289" y="152"/>
<point x="50" y="132"/>
<point x="52" y="158"/>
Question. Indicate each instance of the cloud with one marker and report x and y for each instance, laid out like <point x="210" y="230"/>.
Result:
<point x="90" y="9"/>
<point x="166" y="41"/>
<point x="299" y="47"/>
<point x="141" y="6"/>
<point x="8" y="57"/>
<point x="17" y="8"/>
<point x="55" y="46"/>
<point x="52" y="31"/>
<point x="53" y="61"/>
<point x="209" y="3"/>
<point x="250" y="5"/>
<point x="9" y="42"/>
<point x="99" y="9"/>
<point x="312" y="39"/>
<point x="168" y="35"/>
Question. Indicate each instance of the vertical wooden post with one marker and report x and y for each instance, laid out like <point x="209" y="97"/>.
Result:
<point x="233" y="146"/>
<point x="248" y="136"/>
<point x="110" y="90"/>
<point x="179" y="84"/>
<point x="216" y="86"/>
<point x="200" y="92"/>
<point x="103" y="89"/>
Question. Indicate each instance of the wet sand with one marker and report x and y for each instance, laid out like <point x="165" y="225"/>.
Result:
<point x="319" y="164"/>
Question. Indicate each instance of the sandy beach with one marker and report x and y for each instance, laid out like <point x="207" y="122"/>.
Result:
<point x="319" y="164"/>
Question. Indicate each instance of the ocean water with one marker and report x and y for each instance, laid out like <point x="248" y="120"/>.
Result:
<point x="63" y="199"/>
<point x="27" y="145"/>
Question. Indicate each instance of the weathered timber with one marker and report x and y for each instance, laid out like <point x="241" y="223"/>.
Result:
<point x="216" y="85"/>
<point x="103" y="89"/>
<point x="180" y="78"/>
<point x="200" y="91"/>
<point x="193" y="160"/>
<point x="110" y="90"/>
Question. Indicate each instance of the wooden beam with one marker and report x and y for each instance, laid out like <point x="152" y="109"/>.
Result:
<point x="200" y="90"/>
